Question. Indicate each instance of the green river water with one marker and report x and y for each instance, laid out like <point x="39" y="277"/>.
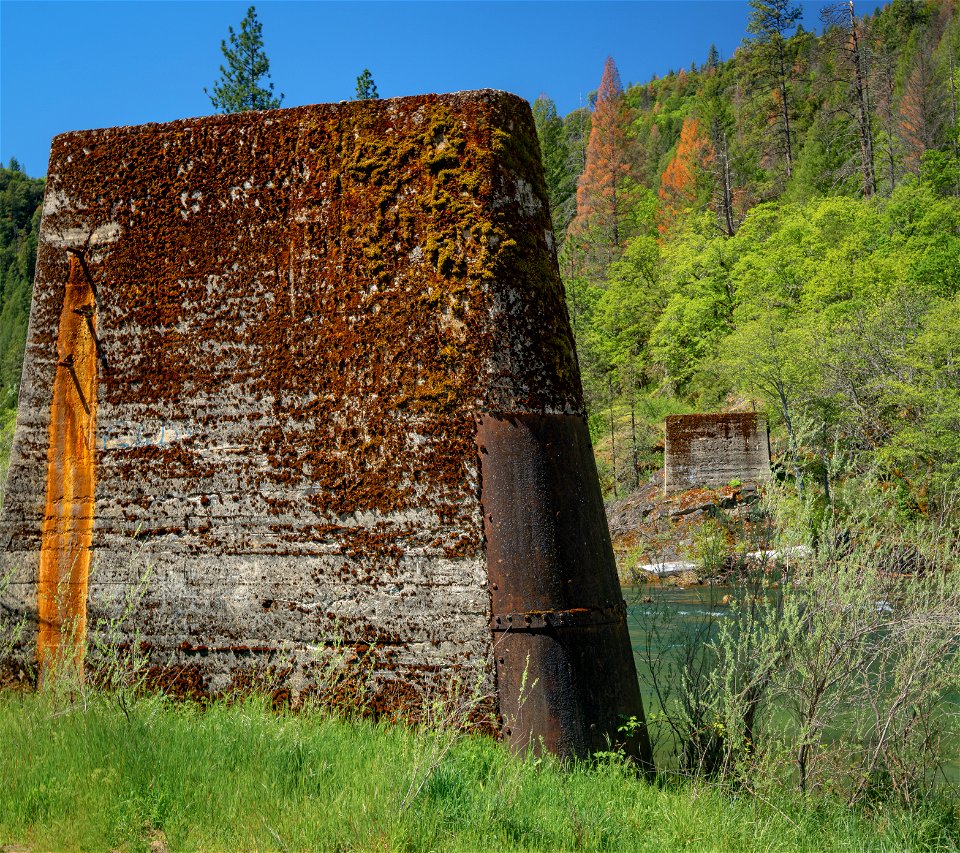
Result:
<point x="693" y="615"/>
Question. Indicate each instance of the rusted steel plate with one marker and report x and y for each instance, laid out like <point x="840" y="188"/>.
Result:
<point x="67" y="527"/>
<point x="566" y="678"/>
<point x="537" y="620"/>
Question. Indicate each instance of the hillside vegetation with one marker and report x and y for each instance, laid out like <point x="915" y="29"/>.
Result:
<point x="20" y="199"/>
<point x="778" y="230"/>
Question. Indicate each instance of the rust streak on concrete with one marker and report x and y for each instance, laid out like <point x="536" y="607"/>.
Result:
<point x="67" y="530"/>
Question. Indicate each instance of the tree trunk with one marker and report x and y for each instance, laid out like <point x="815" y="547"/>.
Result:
<point x="888" y="77"/>
<point x="786" y="108"/>
<point x="953" y="116"/>
<point x="863" y="109"/>
<point x="613" y="441"/>
<point x="727" y="192"/>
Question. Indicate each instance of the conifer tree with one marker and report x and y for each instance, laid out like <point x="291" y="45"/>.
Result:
<point x="845" y="36"/>
<point x="576" y="137"/>
<point x="239" y="87"/>
<point x="770" y="21"/>
<point x="604" y="192"/>
<point x="685" y="184"/>
<point x="553" y="151"/>
<point x="922" y="109"/>
<point x="713" y="59"/>
<point x="366" y="88"/>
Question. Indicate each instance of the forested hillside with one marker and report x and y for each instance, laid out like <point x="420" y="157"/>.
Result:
<point x="779" y="230"/>
<point x="20" y="199"/>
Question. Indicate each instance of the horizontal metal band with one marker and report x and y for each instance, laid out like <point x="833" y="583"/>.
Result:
<point x="540" y="620"/>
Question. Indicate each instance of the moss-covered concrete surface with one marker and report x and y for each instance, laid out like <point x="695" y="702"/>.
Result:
<point x="298" y="316"/>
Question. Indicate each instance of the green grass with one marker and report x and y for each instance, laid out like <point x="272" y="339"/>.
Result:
<point x="86" y="776"/>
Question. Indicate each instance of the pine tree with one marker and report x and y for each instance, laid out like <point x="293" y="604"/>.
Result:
<point x="561" y="186"/>
<point x="885" y="49"/>
<point x="604" y="191"/>
<point x="769" y="21"/>
<point x="713" y="59"/>
<point x="923" y="108"/>
<point x="239" y="87"/>
<point x="366" y="88"/>
<point x="845" y="35"/>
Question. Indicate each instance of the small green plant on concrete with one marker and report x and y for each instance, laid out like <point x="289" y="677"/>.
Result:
<point x="339" y="674"/>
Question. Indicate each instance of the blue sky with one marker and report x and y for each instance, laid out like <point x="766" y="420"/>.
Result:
<point x="78" y="65"/>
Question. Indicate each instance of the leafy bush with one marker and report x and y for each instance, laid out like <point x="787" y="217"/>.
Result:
<point x="836" y="671"/>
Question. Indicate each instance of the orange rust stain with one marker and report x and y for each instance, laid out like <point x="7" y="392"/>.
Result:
<point x="67" y="530"/>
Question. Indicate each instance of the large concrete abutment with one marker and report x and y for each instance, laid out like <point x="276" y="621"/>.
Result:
<point x="304" y="379"/>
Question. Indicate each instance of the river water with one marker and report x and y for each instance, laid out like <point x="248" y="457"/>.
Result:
<point x="678" y="616"/>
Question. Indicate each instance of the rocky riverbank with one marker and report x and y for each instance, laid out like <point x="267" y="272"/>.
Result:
<point x="689" y="536"/>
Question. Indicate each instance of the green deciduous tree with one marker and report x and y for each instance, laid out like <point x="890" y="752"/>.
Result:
<point x="241" y="84"/>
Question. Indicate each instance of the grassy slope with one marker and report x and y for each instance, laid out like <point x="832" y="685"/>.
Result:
<point x="240" y="777"/>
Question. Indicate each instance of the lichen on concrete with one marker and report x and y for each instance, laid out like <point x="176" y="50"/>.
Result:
<point x="298" y="315"/>
<point x="710" y="450"/>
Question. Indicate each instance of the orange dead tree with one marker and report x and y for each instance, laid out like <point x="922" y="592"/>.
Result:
<point x="683" y="183"/>
<point x="604" y="190"/>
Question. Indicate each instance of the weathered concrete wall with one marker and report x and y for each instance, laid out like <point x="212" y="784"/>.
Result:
<point x="715" y="448"/>
<point x="272" y="335"/>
